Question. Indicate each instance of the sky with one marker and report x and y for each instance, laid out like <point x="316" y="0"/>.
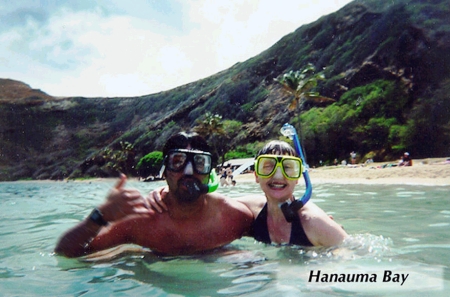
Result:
<point x="121" y="48"/>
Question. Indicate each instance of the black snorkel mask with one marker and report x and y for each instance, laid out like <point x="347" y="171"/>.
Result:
<point x="291" y="208"/>
<point x="176" y="160"/>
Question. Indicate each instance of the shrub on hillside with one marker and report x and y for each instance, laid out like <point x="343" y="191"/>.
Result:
<point x="150" y="164"/>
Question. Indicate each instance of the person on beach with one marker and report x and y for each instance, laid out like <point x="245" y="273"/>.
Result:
<point x="405" y="160"/>
<point x="224" y="176"/>
<point x="277" y="170"/>
<point x="195" y="220"/>
<point x="353" y="157"/>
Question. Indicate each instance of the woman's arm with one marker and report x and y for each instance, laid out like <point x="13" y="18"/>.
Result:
<point x="254" y="202"/>
<point x="320" y="228"/>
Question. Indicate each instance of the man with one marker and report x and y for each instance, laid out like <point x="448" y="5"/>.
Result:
<point x="405" y="160"/>
<point x="353" y="157"/>
<point x="195" y="221"/>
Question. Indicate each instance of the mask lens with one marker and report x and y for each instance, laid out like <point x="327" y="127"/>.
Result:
<point x="177" y="161"/>
<point x="202" y="163"/>
<point x="292" y="168"/>
<point x="266" y="166"/>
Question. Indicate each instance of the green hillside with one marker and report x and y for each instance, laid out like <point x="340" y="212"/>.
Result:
<point x="386" y="65"/>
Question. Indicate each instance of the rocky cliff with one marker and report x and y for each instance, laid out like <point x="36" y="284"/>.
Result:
<point x="366" y="43"/>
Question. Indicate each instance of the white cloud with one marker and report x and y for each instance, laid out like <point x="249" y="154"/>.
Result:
<point x="93" y="53"/>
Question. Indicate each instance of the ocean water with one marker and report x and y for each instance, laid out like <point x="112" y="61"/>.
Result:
<point x="399" y="246"/>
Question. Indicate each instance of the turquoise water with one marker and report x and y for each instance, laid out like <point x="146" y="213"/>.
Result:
<point x="402" y="230"/>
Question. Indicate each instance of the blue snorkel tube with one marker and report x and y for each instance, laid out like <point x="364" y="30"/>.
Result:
<point x="290" y="208"/>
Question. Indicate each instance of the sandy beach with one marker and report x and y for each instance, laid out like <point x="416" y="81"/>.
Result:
<point x="423" y="172"/>
<point x="431" y="171"/>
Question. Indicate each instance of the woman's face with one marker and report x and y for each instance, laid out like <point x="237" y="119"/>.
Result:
<point x="277" y="187"/>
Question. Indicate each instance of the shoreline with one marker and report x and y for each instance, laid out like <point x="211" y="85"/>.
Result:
<point x="428" y="172"/>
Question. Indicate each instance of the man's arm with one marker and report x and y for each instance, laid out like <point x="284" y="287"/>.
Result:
<point x="75" y="242"/>
<point x="120" y="203"/>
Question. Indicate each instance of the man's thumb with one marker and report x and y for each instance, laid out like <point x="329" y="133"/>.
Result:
<point x="121" y="182"/>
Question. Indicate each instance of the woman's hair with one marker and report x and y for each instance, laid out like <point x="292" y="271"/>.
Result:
<point x="277" y="147"/>
<point x="182" y="140"/>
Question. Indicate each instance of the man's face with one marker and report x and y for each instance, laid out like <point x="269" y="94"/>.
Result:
<point x="184" y="174"/>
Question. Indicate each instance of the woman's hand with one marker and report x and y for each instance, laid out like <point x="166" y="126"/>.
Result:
<point x="155" y="199"/>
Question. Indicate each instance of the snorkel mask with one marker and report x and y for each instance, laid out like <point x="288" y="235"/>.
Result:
<point x="176" y="160"/>
<point x="290" y="209"/>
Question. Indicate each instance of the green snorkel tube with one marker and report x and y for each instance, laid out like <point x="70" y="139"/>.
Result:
<point x="208" y="188"/>
<point x="214" y="182"/>
<point x="290" y="208"/>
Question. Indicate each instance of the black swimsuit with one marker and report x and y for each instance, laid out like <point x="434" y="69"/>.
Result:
<point x="261" y="232"/>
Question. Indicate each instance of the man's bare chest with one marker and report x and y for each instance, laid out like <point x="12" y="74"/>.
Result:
<point x="188" y="237"/>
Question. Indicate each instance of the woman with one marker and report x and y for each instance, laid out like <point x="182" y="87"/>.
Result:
<point x="277" y="170"/>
